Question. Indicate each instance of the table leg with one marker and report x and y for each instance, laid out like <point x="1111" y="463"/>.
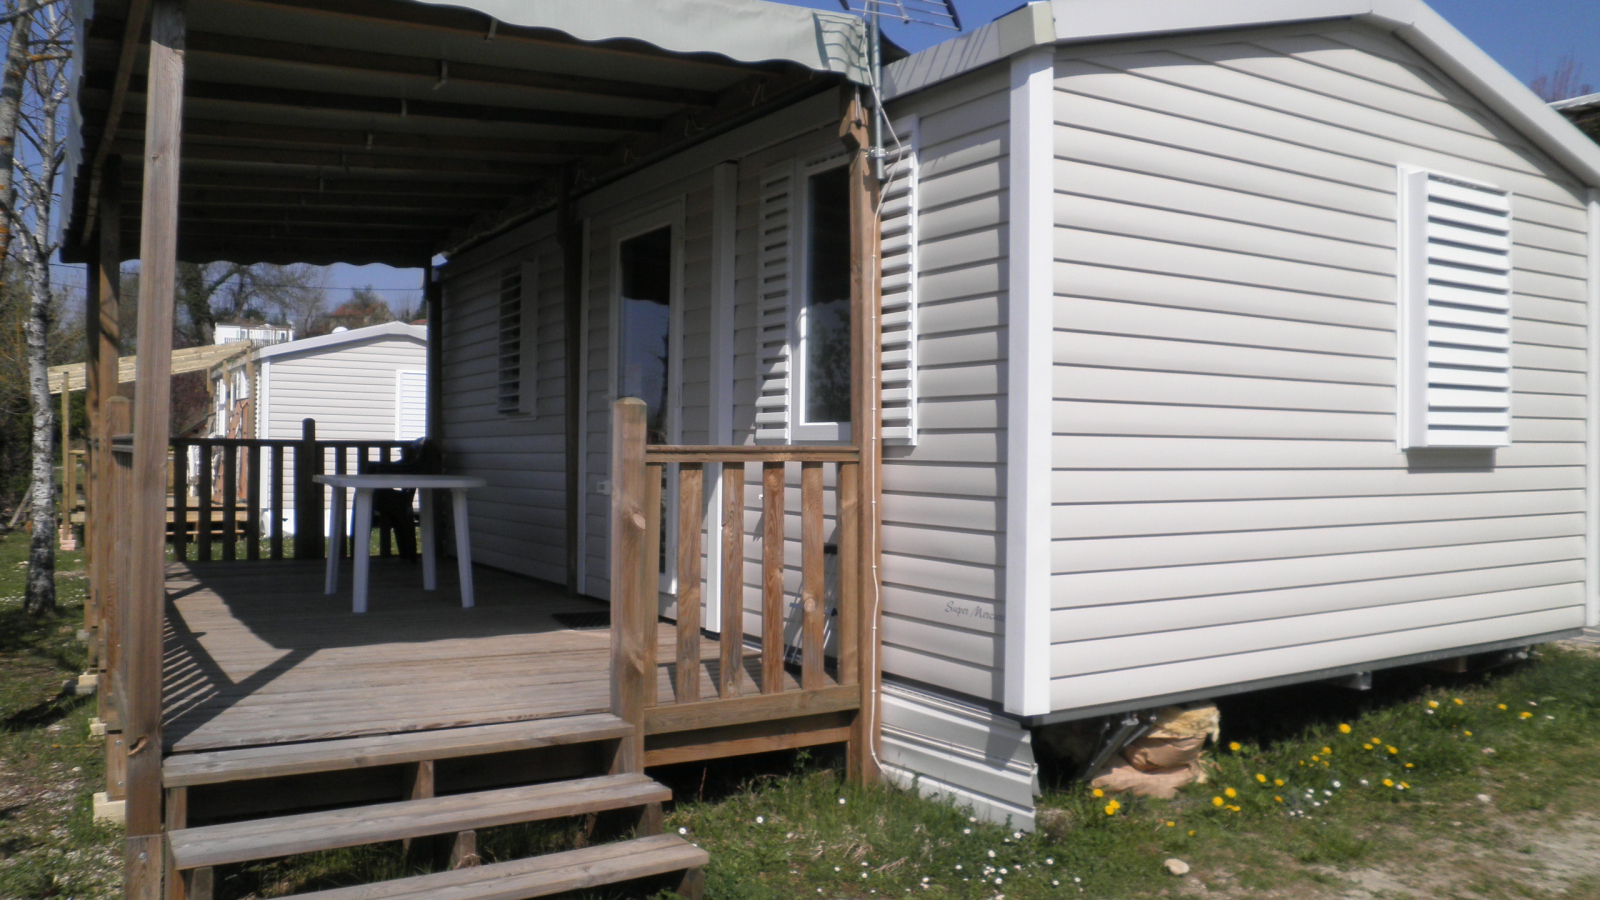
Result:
<point x="463" y="547"/>
<point x="430" y="557"/>
<point x="361" y="554"/>
<point x="335" y="539"/>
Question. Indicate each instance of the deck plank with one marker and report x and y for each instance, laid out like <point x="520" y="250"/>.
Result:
<point x="256" y="655"/>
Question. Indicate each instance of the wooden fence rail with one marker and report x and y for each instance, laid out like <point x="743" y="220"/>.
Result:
<point x="819" y="703"/>
<point x="223" y="499"/>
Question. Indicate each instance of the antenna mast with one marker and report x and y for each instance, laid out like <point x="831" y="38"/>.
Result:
<point x="937" y="13"/>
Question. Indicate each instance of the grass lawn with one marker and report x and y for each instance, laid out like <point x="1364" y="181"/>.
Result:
<point x="1435" y="786"/>
<point x="49" y="766"/>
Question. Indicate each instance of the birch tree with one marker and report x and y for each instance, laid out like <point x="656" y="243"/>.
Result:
<point x="27" y="204"/>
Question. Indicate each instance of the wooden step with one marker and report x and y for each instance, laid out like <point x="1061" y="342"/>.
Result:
<point x="538" y="876"/>
<point x="189" y="769"/>
<point x="214" y="845"/>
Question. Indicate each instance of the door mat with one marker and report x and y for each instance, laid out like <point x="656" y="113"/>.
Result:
<point x="583" y="620"/>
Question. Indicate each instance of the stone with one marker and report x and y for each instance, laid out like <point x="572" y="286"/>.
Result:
<point x="1177" y="866"/>
<point x="1484" y="798"/>
<point x="1487" y="751"/>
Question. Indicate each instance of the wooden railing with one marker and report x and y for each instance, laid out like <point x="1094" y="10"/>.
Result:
<point x="223" y="503"/>
<point x="820" y="707"/>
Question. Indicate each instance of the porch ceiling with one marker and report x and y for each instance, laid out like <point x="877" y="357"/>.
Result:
<point x="387" y="131"/>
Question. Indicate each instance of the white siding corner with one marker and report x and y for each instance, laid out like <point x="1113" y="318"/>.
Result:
<point x="1592" y="436"/>
<point x="1030" y="319"/>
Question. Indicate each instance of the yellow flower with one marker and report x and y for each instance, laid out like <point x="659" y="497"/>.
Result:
<point x="1171" y="824"/>
<point x="1467" y="733"/>
<point x="1315" y="758"/>
<point x="1191" y="834"/>
<point x="1277" y="798"/>
<point x="1111" y="809"/>
<point x="1410" y="766"/>
<point x="1233" y="809"/>
<point x="1099" y="793"/>
<point x="1366" y="746"/>
<point x="1230" y="793"/>
<point x="1218" y="802"/>
<point x="1261" y="778"/>
<point x="1344" y="729"/>
<point x="1327" y="751"/>
<point x="1277" y="782"/>
<point x="1404" y="786"/>
<point x="1392" y="750"/>
<point x="1499" y="706"/>
<point x="1388" y="783"/>
<point x="1457" y="701"/>
<point x="1376" y="741"/>
<point x="1234" y="746"/>
<point x="1525" y="714"/>
<point x="1433" y="704"/>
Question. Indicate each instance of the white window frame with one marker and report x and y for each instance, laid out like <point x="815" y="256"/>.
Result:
<point x="801" y="431"/>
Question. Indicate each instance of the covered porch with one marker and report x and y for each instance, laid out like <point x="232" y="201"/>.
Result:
<point x="238" y="698"/>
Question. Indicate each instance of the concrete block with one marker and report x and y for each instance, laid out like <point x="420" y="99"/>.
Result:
<point x="97" y="728"/>
<point x="106" y="810"/>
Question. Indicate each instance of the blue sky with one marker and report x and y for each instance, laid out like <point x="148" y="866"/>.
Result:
<point x="1528" y="38"/>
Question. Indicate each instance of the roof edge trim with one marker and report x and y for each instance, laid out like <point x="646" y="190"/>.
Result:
<point x="322" y="341"/>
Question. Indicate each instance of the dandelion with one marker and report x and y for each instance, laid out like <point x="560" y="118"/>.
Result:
<point x="1410" y="765"/>
<point x="1233" y="809"/>
<point x="1337" y="785"/>
<point x="966" y="831"/>
<point x="1170" y="824"/>
<point x="1261" y="778"/>
<point x="1392" y="751"/>
<point x="1404" y="787"/>
<point x="1049" y="861"/>
<point x="1499" y="706"/>
<point x="1366" y="746"/>
<point x="1525" y="714"/>
<point x="841" y="801"/>
<point x="683" y="831"/>
<point x="1234" y="746"/>
<point x="958" y="867"/>
<point x="1327" y="751"/>
<point x="1230" y="793"/>
<point x="1467" y="733"/>
<point x="1191" y="834"/>
<point x="1388" y="782"/>
<point x="836" y="868"/>
<point x="1345" y="729"/>
<point x="991" y="854"/>
<point x="1457" y="701"/>
<point x="1111" y="809"/>
<point x="1099" y="793"/>
<point x="1218" y="802"/>
<point x="1315" y="758"/>
<point x="1433" y="704"/>
<point x="1277" y="798"/>
<point x="1017" y="835"/>
<point x="1277" y="782"/>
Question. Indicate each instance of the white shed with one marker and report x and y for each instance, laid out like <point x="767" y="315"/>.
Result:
<point x="358" y="384"/>
<point x="1226" y="345"/>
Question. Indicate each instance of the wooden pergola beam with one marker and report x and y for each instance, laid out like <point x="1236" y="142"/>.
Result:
<point x="204" y="214"/>
<point x="333" y="184"/>
<point x="349" y="161"/>
<point x="127" y="53"/>
<point x="396" y="107"/>
<point x="216" y="198"/>
<point x="371" y="141"/>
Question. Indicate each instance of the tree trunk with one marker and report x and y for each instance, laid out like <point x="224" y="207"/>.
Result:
<point x="41" y="592"/>
<point x="11" y="87"/>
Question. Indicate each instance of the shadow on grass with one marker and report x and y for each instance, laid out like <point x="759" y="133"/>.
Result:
<point x="42" y="714"/>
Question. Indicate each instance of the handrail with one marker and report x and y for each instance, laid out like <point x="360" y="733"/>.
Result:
<point x="638" y="474"/>
<point x="232" y="474"/>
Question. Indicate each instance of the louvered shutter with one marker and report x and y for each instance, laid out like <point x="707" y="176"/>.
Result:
<point x="899" y="322"/>
<point x="528" y="394"/>
<point x="508" y="389"/>
<point x="775" y="279"/>
<point x="1455" y="312"/>
<point x="411" y="405"/>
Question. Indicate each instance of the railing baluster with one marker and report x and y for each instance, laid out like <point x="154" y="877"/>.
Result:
<point x="772" y="488"/>
<point x="732" y="661"/>
<point x="629" y="672"/>
<point x="690" y="519"/>
<point x="230" y="502"/>
<point x="252" y="506"/>
<point x="383" y="533"/>
<point x="203" y="542"/>
<point x="811" y="577"/>
<point x="848" y="627"/>
<point x="276" y="501"/>
<point x="349" y="540"/>
<point x="180" y="500"/>
<point x="651" y="596"/>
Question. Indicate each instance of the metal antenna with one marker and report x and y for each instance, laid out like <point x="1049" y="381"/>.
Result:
<point x="937" y="13"/>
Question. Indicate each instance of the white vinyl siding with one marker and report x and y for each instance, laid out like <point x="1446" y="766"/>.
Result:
<point x="1455" y="312"/>
<point x="519" y="520"/>
<point x="411" y="405"/>
<point x="775" y="242"/>
<point x="1229" y="503"/>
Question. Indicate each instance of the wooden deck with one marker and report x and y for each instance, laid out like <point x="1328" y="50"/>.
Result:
<point x="256" y="654"/>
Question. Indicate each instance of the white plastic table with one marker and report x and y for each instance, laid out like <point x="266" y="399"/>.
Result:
<point x="364" y="485"/>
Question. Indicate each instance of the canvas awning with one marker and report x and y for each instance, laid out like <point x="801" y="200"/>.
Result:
<point x="191" y="359"/>
<point x="387" y="131"/>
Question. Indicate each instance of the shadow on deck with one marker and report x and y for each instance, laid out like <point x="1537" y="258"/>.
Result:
<point x="257" y="654"/>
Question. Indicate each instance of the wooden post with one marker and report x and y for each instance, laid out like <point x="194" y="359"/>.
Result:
<point x="307" y="494"/>
<point x="691" y="512"/>
<point x="570" y="230"/>
<point x="104" y="330"/>
<point x="631" y="602"/>
<point x="433" y="300"/>
<point x="866" y="348"/>
<point x="64" y="520"/>
<point x="118" y="497"/>
<point x="142" y="617"/>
